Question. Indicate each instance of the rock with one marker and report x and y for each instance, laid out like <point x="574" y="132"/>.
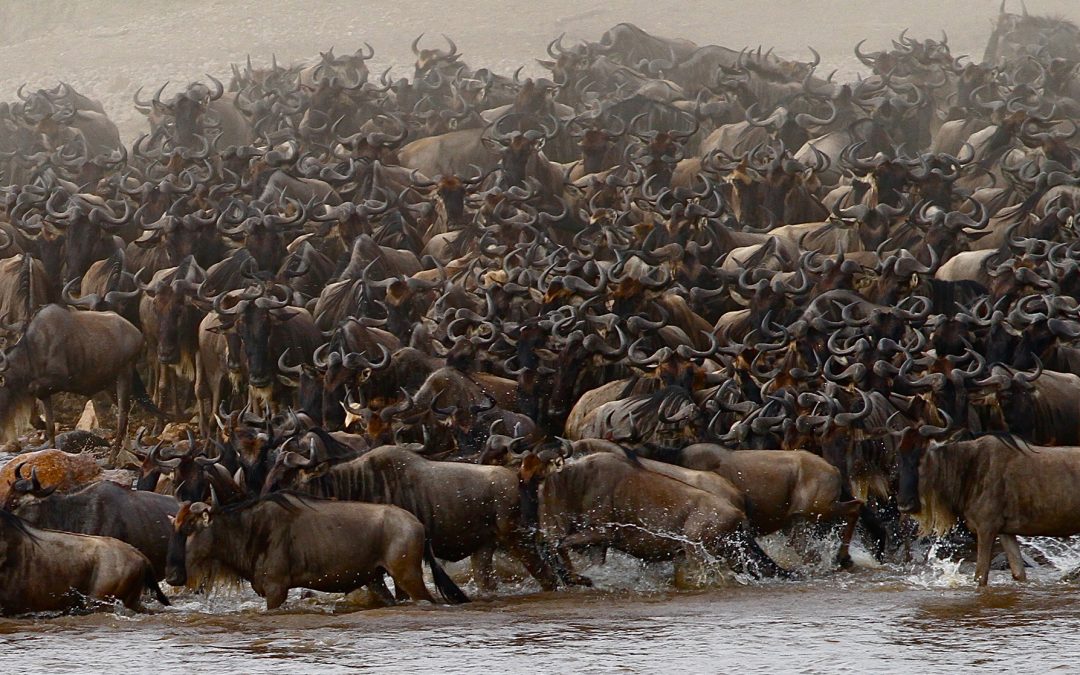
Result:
<point x="88" y="421"/>
<point x="54" y="468"/>
<point x="1000" y="562"/>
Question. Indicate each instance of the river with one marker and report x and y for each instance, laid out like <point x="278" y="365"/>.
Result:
<point x="924" y="617"/>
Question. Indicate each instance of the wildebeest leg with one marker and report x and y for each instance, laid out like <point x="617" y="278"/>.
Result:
<point x="123" y="404"/>
<point x="275" y="595"/>
<point x="985" y="548"/>
<point x="851" y="519"/>
<point x="102" y="408"/>
<point x="166" y="387"/>
<point x="483" y="568"/>
<point x="205" y="397"/>
<point x="1012" y="552"/>
<point x="175" y="382"/>
<point x="381" y="592"/>
<point x="760" y="564"/>
<point x="411" y="582"/>
<point x="580" y="539"/>
<point x="153" y="376"/>
<point x="876" y="529"/>
<point x="523" y="546"/>
<point x="50" y="420"/>
<point x="682" y="565"/>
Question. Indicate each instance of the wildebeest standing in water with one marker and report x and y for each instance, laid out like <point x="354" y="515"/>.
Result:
<point x="615" y="501"/>
<point x="102" y="508"/>
<point x="998" y="486"/>
<point x="46" y="571"/>
<point x="286" y="541"/>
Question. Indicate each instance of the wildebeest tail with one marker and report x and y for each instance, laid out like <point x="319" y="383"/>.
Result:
<point x="142" y="397"/>
<point x="150" y="580"/>
<point x="447" y="588"/>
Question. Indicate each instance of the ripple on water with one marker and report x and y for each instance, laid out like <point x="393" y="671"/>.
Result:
<point x="906" y="617"/>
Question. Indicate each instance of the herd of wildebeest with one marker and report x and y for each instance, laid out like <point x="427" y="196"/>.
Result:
<point x="667" y="300"/>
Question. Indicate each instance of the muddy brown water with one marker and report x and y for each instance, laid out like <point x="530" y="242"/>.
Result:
<point x="925" y="617"/>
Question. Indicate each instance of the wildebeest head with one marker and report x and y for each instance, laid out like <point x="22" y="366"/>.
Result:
<point x="567" y="66"/>
<point x="334" y="100"/>
<point x="251" y="316"/>
<point x="26" y="491"/>
<point x="251" y="439"/>
<point x="188" y="554"/>
<point x="428" y="60"/>
<point x="264" y="232"/>
<point x="81" y="231"/>
<point x="913" y="443"/>
<point x="186" y="115"/>
<point x="541" y="461"/>
<point x="304" y="457"/>
<point x="191" y="518"/>
<point x="595" y="140"/>
<point x="178" y="307"/>
<point x="451" y="192"/>
<point x="517" y="148"/>
<point x="182" y="236"/>
<point x="183" y="462"/>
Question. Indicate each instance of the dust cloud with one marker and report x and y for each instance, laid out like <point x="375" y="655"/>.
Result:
<point x="108" y="49"/>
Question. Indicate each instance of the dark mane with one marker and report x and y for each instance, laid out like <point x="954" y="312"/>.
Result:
<point x="631" y="455"/>
<point x="286" y="499"/>
<point x="668" y="454"/>
<point x="336" y="450"/>
<point x="12" y="521"/>
<point x="1010" y="439"/>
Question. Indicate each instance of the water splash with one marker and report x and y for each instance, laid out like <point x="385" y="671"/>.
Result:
<point x="1062" y="554"/>
<point x="936" y="569"/>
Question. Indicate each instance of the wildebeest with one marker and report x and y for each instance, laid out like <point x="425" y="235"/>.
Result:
<point x="996" y="485"/>
<point x="779" y="486"/>
<point x="614" y="500"/>
<point x="466" y="509"/>
<point x="45" y="570"/>
<point x="286" y="541"/>
<point x="64" y="350"/>
<point x="103" y="508"/>
<point x="55" y="469"/>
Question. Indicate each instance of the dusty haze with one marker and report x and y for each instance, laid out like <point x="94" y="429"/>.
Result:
<point x="108" y="49"/>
